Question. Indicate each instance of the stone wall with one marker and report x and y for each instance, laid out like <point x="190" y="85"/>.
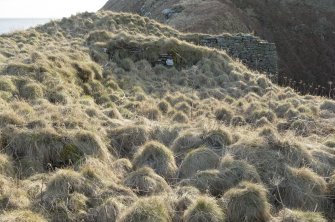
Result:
<point x="252" y="51"/>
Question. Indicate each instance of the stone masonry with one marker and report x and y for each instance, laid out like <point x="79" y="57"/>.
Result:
<point x="252" y="51"/>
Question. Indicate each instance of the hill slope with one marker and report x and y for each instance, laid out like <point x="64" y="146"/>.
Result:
<point x="92" y="128"/>
<point x="304" y="31"/>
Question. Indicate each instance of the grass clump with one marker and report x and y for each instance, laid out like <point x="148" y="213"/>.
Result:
<point x="87" y="71"/>
<point x="287" y="215"/>
<point x="62" y="185"/>
<point x="328" y="105"/>
<point x="7" y="85"/>
<point x="180" y="117"/>
<point x="157" y="156"/>
<point x="247" y="202"/>
<point x="151" y="113"/>
<point x="238" y="121"/>
<point x="224" y="114"/>
<point x="229" y="174"/>
<point x="33" y="151"/>
<point x="204" y="209"/>
<point x="330" y="142"/>
<point x="89" y="143"/>
<point x="21" y="216"/>
<point x="44" y="149"/>
<point x="235" y="171"/>
<point x="31" y="91"/>
<point x="303" y="189"/>
<point x="300" y="127"/>
<point x="19" y="69"/>
<point x="183" y="107"/>
<point x="186" y="141"/>
<point x="58" y="97"/>
<point x="152" y="209"/>
<point x="164" y="106"/>
<point x="109" y="210"/>
<point x="185" y="196"/>
<point x="6" y="165"/>
<point x="126" y="139"/>
<point x="10" y="118"/>
<point x="145" y="181"/>
<point x="123" y="166"/>
<point x="218" y="139"/>
<point x="197" y="160"/>
<point x="12" y="196"/>
<point x="282" y="109"/>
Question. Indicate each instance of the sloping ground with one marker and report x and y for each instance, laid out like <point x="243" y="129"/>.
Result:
<point x="92" y="130"/>
<point x="304" y="31"/>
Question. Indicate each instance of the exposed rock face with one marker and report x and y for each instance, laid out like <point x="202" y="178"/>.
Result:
<point x="303" y="30"/>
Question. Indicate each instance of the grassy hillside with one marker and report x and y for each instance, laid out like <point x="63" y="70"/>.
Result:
<point x="303" y="30"/>
<point x="91" y="129"/>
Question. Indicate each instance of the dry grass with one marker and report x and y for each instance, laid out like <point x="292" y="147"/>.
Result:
<point x="21" y="216"/>
<point x="247" y="202"/>
<point x="157" y="157"/>
<point x="204" y="209"/>
<point x="151" y="209"/>
<point x="287" y="215"/>
<point x="145" y="181"/>
<point x="197" y="160"/>
<point x="92" y="130"/>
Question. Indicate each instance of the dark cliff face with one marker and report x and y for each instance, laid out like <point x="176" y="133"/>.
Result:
<point x="304" y="31"/>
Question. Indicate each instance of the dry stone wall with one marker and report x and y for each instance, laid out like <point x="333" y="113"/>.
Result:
<point x="252" y="51"/>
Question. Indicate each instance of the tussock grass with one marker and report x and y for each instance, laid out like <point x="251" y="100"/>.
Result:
<point x="218" y="138"/>
<point x="224" y="115"/>
<point x="126" y="139"/>
<point x="228" y="175"/>
<point x="180" y="117"/>
<point x="287" y="215"/>
<point x="21" y="215"/>
<point x="7" y="85"/>
<point x="198" y="159"/>
<point x="253" y="199"/>
<point x="92" y="128"/>
<point x="145" y="181"/>
<point x="109" y="211"/>
<point x="186" y="141"/>
<point x="185" y="196"/>
<point x="12" y="196"/>
<point x="328" y="105"/>
<point x="6" y="165"/>
<point x="204" y="209"/>
<point x="158" y="157"/>
<point x="45" y="149"/>
<point x="31" y="91"/>
<point x="151" y="209"/>
<point x="303" y="188"/>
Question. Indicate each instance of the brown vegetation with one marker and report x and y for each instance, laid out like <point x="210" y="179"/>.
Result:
<point x="88" y="134"/>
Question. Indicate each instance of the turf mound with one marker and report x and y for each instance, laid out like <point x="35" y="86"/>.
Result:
<point x="253" y="199"/>
<point x="21" y="215"/>
<point x="158" y="157"/>
<point x="204" y="209"/>
<point x="287" y="215"/>
<point x="145" y="181"/>
<point x="148" y="209"/>
<point x="198" y="159"/>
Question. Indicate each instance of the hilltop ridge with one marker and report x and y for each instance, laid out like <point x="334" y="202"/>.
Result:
<point x="96" y="126"/>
